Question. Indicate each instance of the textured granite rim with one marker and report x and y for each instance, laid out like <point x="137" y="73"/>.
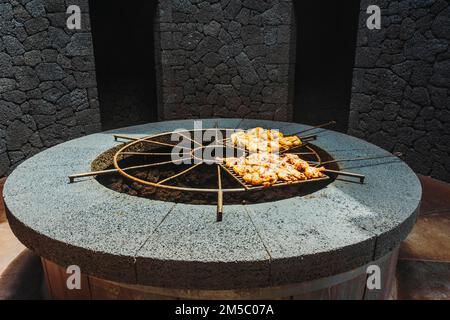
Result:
<point x="140" y="241"/>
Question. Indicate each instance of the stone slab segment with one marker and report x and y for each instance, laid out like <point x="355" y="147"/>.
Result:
<point x="232" y="255"/>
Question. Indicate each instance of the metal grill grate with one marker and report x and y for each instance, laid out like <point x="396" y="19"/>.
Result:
<point x="137" y="147"/>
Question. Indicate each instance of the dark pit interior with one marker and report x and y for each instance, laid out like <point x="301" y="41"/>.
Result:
<point x="123" y="38"/>
<point x="326" y="43"/>
<point x="204" y="176"/>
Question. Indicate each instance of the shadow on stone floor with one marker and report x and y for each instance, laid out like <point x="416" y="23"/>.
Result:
<point x="423" y="270"/>
<point x="23" y="279"/>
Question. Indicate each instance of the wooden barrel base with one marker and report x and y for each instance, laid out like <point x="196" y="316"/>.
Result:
<point x="345" y="286"/>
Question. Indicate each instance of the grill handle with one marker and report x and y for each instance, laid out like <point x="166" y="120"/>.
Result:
<point x="348" y="174"/>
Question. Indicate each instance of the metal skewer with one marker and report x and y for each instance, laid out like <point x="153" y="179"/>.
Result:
<point x="234" y="176"/>
<point x="109" y="171"/>
<point x="180" y="174"/>
<point x="161" y="143"/>
<point x="219" y="196"/>
<point x="313" y="128"/>
<point x="195" y="142"/>
<point x="120" y="136"/>
<point x="302" y="153"/>
<point x="309" y="138"/>
<point x="348" y="174"/>
<point x="90" y="174"/>
<point x="303" y="131"/>
<point x="147" y="139"/>
<point x="147" y="153"/>
<point x="394" y="155"/>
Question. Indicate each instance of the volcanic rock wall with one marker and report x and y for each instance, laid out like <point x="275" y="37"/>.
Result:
<point x="401" y="83"/>
<point x="228" y="58"/>
<point x="47" y="78"/>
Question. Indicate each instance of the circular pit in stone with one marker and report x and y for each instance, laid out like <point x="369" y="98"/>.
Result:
<point x="202" y="177"/>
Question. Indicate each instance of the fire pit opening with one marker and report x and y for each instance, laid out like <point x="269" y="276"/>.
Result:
<point x="202" y="177"/>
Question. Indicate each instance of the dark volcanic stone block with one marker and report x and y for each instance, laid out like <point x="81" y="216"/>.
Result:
<point x="255" y="32"/>
<point x="404" y="64"/>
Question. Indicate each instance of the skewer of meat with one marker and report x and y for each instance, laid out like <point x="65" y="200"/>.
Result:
<point x="266" y="168"/>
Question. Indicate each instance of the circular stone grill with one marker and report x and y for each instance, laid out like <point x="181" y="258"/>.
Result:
<point x="335" y="229"/>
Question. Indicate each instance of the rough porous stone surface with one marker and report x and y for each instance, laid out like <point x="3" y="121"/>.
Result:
<point x="48" y="90"/>
<point x="401" y="84"/>
<point x="136" y="240"/>
<point x="228" y="58"/>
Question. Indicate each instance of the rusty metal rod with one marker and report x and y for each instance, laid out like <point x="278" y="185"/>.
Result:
<point x="153" y="184"/>
<point x="146" y="139"/>
<point x="147" y="153"/>
<point x="304" y="144"/>
<point x="309" y="138"/>
<point x="91" y="174"/>
<point x="348" y="174"/>
<point x="161" y="143"/>
<point x="302" y="153"/>
<point x="296" y="147"/>
<point x="196" y="142"/>
<point x="395" y="155"/>
<point x="109" y="171"/>
<point x="315" y="127"/>
<point x="289" y="183"/>
<point x="179" y="174"/>
<point x="120" y="136"/>
<point x="235" y="176"/>
<point x="219" y="196"/>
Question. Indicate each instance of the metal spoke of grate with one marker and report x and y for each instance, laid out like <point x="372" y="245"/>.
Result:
<point x="179" y="174"/>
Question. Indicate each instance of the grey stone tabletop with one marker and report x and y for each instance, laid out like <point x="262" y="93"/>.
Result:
<point x="141" y="241"/>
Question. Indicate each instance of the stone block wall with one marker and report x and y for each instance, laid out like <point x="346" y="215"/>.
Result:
<point x="226" y="58"/>
<point x="401" y="83"/>
<point x="47" y="78"/>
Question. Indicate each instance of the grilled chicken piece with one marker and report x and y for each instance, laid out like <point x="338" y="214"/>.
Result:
<point x="292" y="141"/>
<point x="262" y="158"/>
<point x="267" y="168"/>
<point x="230" y="162"/>
<point x="298" y="163"/>
<point x="261" y="140"/>
<point x="289" y="173"/>
<point x="268" y="175"/>
<point x="260" y="176"/>
<point x="242" y="169"/>
<point x="253" y="178"/>
<point x="313" y="172"/>
<point x="239" y="138"/>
